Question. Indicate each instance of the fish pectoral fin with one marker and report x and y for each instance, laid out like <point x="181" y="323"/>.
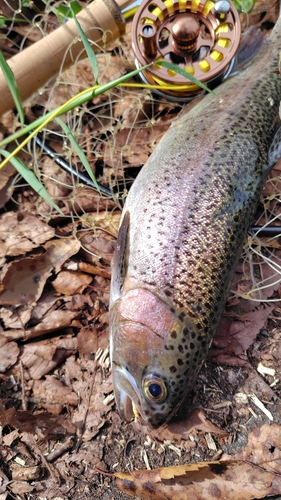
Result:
<point x="120" y="258"/>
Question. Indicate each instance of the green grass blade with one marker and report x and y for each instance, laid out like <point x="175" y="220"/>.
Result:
<point x="4" y="20"/>
<point x="65" y="11"/>
<point x="81" y="99"/>
<point x="79" y="151"/>
<point x="37" y="123"/>
<point x="244" y="5"/>
<point x="12" y="84"/>
<point x="31" y="179"/>
<point x="108" y="86"/>
<point x="182" y="72"/>
<point x="90" y="53"/>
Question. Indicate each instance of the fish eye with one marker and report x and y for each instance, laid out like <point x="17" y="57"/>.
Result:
<point x="155" y="389"/>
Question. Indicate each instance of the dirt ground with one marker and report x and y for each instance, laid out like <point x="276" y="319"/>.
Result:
<point x="61" y="436"/>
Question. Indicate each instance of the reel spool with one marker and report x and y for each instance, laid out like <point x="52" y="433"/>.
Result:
<point x="201" y="36"/>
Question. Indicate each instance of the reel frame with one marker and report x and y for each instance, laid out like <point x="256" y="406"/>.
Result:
<point x="201" y="36"/>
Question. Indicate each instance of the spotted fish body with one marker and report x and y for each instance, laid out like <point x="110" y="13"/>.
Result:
<point x="181" y="234"/>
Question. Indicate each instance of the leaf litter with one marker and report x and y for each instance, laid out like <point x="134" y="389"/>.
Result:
<point x="61" y="431"/>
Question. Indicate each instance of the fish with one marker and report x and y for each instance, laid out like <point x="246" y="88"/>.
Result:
<point x="181" y="234"/>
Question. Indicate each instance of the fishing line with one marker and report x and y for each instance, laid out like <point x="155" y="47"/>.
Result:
<point x="61" y="162"/>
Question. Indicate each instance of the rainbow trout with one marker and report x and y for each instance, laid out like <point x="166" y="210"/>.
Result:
<point x="181" y="234"/>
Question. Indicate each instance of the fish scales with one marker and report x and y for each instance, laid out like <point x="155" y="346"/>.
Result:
<point x="181" y="234"/>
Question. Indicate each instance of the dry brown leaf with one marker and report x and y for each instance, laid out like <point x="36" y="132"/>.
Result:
<point x="236" y="335"/>
<point x="71" y="282"/>
<point x="44" y="424"/>
<point x="109" y="68"/>
<point x="84" y="380"/>
<point x="101" y="247"/>
<point x="255" y="384"/>
<point x="9" y="352"/>
<point x="196" y="422"/>
<point x="6" y="175"/>
<point x="20" y="488"/>
<point x="229" y="480"/>
<point x="268" y="8"/>
<point x="95" y="270"/>
<point x="26" y="473"/>
<point x="57" y="182"/>
<point x="51" y="391"/>
<point x="61" y="250"/>
<point x="263" y="287"/>
<point x="15" y="318"/>
<point x="3" y="483"/>
<point x="268" y="242"/>
<point x="90" y="456"/>
<point x="271" y="357"/>
<point x="80" y="374"/>
<point x="181" y="430"/>
<point x="78" y="77"/>
<point x="89" y="341"/>
<point x="85" y="200"/>
<point x="133" y="108"/>
<point x="263" y="448"/>
<point x="55" y="320"/>
<point x="25" y="279"/>
<point x="40" y="358"/>
<point x="252" y="473"/>
<point x="22" y="232"/>
<point x="47" y="301"/>
<point x="133" y="146"/>
<point x="109" y="221"/>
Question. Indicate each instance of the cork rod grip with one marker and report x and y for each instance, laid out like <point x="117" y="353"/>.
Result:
<point x="101" y="21"/>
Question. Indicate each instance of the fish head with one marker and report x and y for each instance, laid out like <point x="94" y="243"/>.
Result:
<point x="154" y="357"/>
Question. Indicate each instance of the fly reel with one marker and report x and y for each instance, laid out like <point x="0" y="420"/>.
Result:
<point x="201" y="36"/>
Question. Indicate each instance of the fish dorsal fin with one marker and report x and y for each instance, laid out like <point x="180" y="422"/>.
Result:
<point x="120" y="259"/>
<point x="250" y="45"/>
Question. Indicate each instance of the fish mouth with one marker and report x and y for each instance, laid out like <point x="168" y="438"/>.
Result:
<point x="126" y="393"/>
<point x="128" y="410"/>
<point x="125" y="406"/>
